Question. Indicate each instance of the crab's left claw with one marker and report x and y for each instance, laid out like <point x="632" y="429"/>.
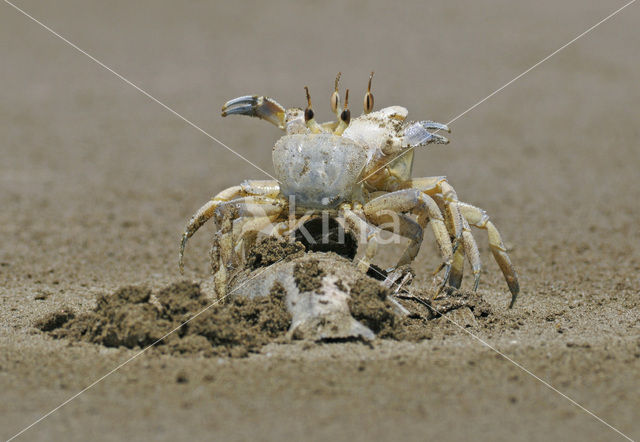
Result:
<point x="418" y="134"/>
<point x="264" y="108"/>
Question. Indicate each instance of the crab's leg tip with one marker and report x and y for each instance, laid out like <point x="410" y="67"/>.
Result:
<point x="514" y="288"/>
<point x="476" y="283"/>
<point x="437" y="293"/>
<point x="183" y="245"/>
<point x="447" y="272"/>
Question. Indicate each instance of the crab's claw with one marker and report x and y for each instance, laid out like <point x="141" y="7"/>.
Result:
<point x="264" y="108"/>
<point x="419" y="133"/>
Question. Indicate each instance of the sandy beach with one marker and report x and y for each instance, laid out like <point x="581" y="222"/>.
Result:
<point x="97" y="182"/>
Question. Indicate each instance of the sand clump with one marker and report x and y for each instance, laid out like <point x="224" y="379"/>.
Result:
<point x="270" y="250"/>
<point x="308" y="276"/>
<point x="56" y="319"/>
<point x="133" y="318"/>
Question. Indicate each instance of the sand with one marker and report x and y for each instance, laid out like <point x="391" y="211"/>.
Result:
<point x="98" y="181"/>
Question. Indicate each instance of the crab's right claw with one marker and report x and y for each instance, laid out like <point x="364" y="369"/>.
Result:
<point x="264" y="108"/>
<point x="419" y="134"/>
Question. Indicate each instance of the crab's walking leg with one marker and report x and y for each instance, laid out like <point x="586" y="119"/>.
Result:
<point x="355" y="221"/>
<point x="246" y="226"/>
<point x="364" y="231"/>
<point x="437" y="187"/>
<point x="469" y="247"/>
<point x="224" y="240"/>
<point x="471" y="250"/>
<point x="245" y="231"/>
<point x="248" y="187"/>
<point x="421" y="204"/>
<point x="411" y="230"/>
<point x="479" y="218"/>
<point x="252" y="207"/>
<point x="403" y="225"/>
<point x="203" y="215"/>
<point x="457" y="268"/>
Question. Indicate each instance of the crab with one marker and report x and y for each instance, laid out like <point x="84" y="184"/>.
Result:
<point x="355" y="170"/>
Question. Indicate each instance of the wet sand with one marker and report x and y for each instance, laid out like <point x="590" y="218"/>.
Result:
<point x="98" y="181"/>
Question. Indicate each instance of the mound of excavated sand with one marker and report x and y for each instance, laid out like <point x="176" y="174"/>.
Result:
<point x="282" y="293"/>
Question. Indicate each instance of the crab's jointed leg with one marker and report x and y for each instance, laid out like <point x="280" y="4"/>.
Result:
<point x="471" y="250"/>
<point x="242" y="233"/>
<point x="419" y="203"/>
<point x="439" y="189"/>
<point x="355" y="221"/>
<point x="204" y="213"/>
<point x="249" y="207"/>
<point x="414" y="232"/>
<point x="457" y="268"/>
<point x="444" y="193"/>
<point x="245" y="231"/>
<point x="406" y="227"/>
<point x="479" y="218"/>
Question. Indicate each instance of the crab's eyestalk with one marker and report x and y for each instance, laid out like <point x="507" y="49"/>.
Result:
<point x="345" y="116"/>
<point x="335" y="97"/>
<point x="264" y="108"/>
<point x="309" y="116"/>
<point x="368" y="97"/>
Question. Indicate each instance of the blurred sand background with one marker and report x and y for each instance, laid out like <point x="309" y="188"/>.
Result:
<point x="97" y="182"/>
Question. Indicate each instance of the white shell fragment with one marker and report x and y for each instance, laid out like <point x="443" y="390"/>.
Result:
<point x="318" y="314"/>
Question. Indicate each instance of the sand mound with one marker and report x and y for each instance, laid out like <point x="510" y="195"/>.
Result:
<point x="133" y="317"/>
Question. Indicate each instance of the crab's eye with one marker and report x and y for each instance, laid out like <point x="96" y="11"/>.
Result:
<point x="346" y="113"/>
<point x="308" y="114"/>
<point x="368" y="102"/>
<point x="368" y="97"/>
<point x="346" y="116"/>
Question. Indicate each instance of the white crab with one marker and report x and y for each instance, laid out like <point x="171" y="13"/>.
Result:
<point x="358" y="171"/>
